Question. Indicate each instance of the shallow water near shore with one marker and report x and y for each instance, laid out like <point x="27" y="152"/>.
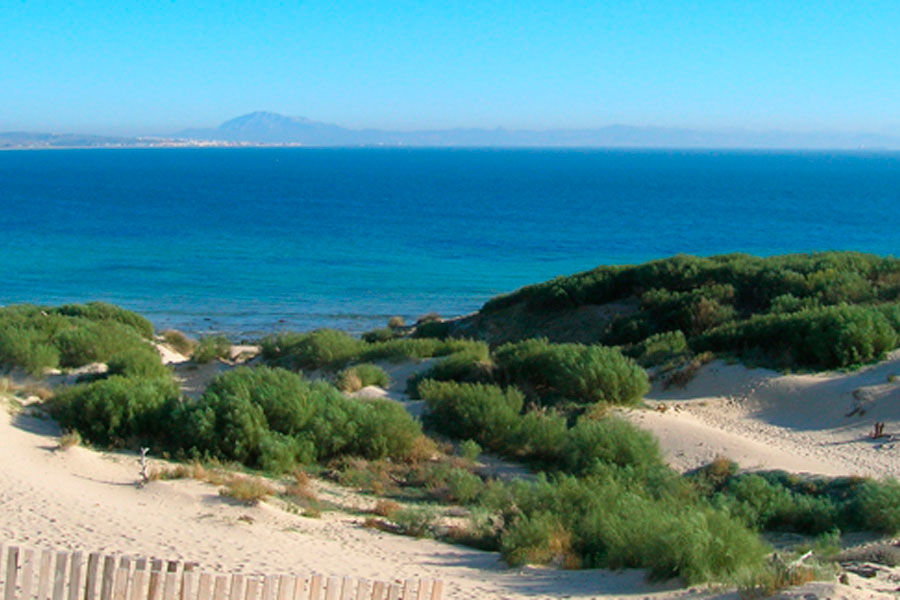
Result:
<point x="253" y="240"/>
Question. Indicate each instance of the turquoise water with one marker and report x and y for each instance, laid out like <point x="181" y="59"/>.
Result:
<point x="248" y="241"/>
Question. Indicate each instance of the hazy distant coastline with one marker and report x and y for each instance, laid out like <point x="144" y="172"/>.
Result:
<point x="271" y="129"/>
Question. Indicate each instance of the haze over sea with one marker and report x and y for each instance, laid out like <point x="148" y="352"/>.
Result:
<point x="253" y="240"/>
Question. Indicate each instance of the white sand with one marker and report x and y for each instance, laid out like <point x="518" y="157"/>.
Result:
<point x="765" y="420"/>
<point x="85" y="500"/>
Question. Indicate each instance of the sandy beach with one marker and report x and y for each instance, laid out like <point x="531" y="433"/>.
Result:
<point x="82" y="499"/>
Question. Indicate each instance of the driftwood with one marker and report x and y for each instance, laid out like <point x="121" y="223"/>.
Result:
<point x="145" y="473"/>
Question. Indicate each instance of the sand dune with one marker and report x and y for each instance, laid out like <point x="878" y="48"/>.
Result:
<point x="85" y="500"/>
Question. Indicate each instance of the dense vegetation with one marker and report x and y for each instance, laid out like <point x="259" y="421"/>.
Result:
<point x="603" y="496"/>
<point x="824" y="310"/>
<point x="332" y="350"/>
<point x="266" y="418"/>
<point x="37" y="338"/>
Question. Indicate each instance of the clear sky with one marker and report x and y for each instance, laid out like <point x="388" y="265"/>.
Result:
<point x="157" y="66"/>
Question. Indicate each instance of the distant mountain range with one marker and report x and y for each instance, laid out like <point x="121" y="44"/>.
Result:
<point x="266" y="128"/>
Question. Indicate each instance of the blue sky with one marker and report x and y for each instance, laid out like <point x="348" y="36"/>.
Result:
<point x="158" y="66"/>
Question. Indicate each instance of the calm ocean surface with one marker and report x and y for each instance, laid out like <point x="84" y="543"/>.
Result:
<point x="248" y="241"/>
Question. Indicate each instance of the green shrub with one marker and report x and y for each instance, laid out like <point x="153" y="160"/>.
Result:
<point x="432" y="329"/>
<point x="471" y="365"/>
<point x="179" y="342"/>
<point x="323" y="348"/>
<point x="585" y="373"/>
<point x="612" y="521"/>
<point x="485" y="413"/>
<point x="141" y="361"/>
<point x="610" y="441"/>
<point x="117" y="410"/>
<point x="659" y="348"/>
<point x="877" y="506"/>
<point x="272" y="417"/>
<point x="357" y="377"/>
<point x="211" y="348"/>
<point x="470" y="450"/>
<point x="88" y="341"/>
<point x="102" y="311"/>
<point x="416" y="522"/>
<point x="828" y="337"/>
<point x="380" y="335"/>
<point x="463" y="486"/>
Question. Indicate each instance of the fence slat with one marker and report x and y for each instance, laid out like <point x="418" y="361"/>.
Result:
<point x="204" y="588"/>
<point x="407" y="589"/>
<point x="187" y="584"/>
<point x="315" y="587"/>
<point x="45" y="575"/>
<point x="28" y="573"/>
<point x="393" y="592"/>
<point x="378" y="591"/>
<point x="108" y="578"/>
<point x="12" y="573"/>
<point x="154" y="590"/>
<point x="75" y="576"/>
<point x="238" y="586"/>
<point x="437" y="589"/>
<point x="333" y="588"/>
<point x="220" y="589"/>
<point x="270" y="587"/>
<point x="93" y="576"/>
<point x="253" y="586"/>
<point x="170" y="587"/>
<point x="120" y="586"/>
<point x="362" y="589"/>
<point x="422" y="591"/>
<point x="59" y="576"/>
<point x="347" y="588"/>
<point x="286" y="585"/>
<point x="139" y="580"/>
<point x="300" y="590"/>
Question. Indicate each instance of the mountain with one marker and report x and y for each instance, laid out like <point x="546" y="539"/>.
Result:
<point x="272" y="128"/>
<point x="268" y="128"/>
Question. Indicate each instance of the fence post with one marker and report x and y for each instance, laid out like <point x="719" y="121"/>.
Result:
<point x="59" y="577"/>
<point x="12" y="573"/>
<point x="75" y="589"/>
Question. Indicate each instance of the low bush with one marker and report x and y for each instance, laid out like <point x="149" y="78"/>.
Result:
<point x="118" y="410"/>
<point x="485" y="413"/>
<point x="102" y="311"/>
<point x="141" y="362"/>
<point x="210" y="348"/>
<point x="380" y="335"/>
<point x="248" y="490"/>
<point x="179" y="342"/>
<point x="827" y="337"/>
<point x="37" y="338"/>
<point x="659" y="348"/>
<point x="415" y="522"/>
<point x="472" y="365"/>
<point x="315" y="350"/>
<point x="274" y="418"/>
<point x="778" y="501"/>
<point x="584" y="373"/>
<point x="612" y="521"/>
<point x="357" y="377"/>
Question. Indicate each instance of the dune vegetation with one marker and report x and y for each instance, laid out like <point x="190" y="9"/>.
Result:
<point x="600" y="494"/>
<point x="812" y="311"/>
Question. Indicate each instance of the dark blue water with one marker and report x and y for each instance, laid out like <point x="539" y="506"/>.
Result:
<point x="252" y="240"/>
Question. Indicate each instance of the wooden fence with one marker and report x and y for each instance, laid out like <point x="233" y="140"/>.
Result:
<point x="27" y="574"/>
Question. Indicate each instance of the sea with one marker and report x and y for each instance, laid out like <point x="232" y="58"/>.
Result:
<point x="248" y="241"/>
